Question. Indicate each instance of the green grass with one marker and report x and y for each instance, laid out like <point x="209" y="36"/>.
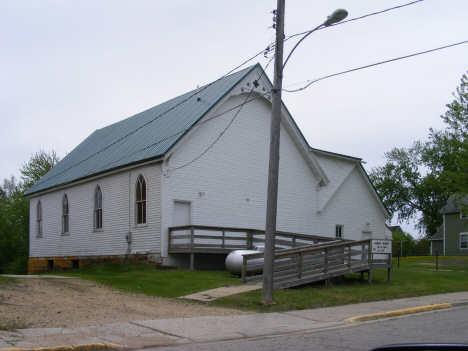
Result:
<point x="6" y="280"/>
<point x="416" y="276"/>
<point x="146" y="279"/>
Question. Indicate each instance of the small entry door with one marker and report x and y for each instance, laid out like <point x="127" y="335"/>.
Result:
<point x="182" y="216"/>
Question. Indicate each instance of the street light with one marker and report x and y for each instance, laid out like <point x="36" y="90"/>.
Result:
<point x="272" y="196"/>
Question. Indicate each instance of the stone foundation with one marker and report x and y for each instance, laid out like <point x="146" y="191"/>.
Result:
<point x="42" y="264"/>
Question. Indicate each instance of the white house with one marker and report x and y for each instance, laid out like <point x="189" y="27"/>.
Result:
<point x="202" y="159"/>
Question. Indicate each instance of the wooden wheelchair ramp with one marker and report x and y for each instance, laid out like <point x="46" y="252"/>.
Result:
<point x="307" y="264"/>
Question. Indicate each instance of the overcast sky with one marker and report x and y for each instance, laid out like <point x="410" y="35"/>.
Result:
<point x="70" y="67"/>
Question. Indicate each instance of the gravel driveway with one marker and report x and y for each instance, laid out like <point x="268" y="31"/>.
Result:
<point x="69" y="303"/>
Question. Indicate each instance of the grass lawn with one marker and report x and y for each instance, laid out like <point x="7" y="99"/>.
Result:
<point x="146" y="279"/>
<point x="416" y="276"/>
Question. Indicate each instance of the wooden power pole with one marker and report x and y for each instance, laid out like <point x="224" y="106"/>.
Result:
<point x="272" y="197"/>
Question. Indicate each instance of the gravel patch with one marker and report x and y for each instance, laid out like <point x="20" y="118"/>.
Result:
<point x="69" y="303"/>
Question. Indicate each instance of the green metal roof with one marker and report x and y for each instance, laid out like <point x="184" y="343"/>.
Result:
<point x="145" y="136"/>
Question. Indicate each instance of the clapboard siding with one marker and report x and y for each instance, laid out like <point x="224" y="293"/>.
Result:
<point x="337" y="170"/>
<point x="117" y="208"/>
<point x="353" y="206"/>
<point x="233" y="173"/>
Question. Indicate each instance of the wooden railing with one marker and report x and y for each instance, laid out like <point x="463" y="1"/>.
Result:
<point x="306" y="264"/>
<point x="208" y="239"/>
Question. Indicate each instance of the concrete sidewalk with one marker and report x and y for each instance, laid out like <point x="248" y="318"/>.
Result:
<point x="140" y="334"/>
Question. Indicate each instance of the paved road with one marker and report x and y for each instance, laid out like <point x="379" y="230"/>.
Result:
<point x="444" y="326"/>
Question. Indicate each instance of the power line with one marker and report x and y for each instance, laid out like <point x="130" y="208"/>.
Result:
<point x="372" y="65"/>
<point x="225" y="129"/>
<point x="147" y="123"/>
<point x="269" y="48"/>
<point x="358" y="18"/>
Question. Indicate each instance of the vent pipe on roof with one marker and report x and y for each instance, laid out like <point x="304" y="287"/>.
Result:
<point x="198" y="96"/>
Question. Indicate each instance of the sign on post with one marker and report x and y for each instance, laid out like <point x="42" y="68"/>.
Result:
<point x="381" y="246"/>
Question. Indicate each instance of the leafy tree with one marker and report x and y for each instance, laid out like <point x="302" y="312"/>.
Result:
<point x="409" y="188"/>
<point x="14" y="213"/>
<point x="14" y="228"/>
<point x="403" y="243"/>
<point x="449" y="148"/>
<point x="415" y="182"/>
<point x="37" y="166"/>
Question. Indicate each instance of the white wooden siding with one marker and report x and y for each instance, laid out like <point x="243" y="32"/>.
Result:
<point x="353" y="206"/>
<point x="118" y="211"/>
<point x="337" y="170"/>
<point x="228" y="184"/>
<point x="232" y="175"/>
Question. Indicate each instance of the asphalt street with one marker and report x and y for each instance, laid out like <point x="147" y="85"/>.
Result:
<point x="442" y="326"/>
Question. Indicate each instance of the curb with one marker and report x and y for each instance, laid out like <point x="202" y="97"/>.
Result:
<point x="84" y="347"/>
<point x="370" y="317"/>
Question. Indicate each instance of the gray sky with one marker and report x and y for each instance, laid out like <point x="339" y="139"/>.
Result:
<point x="70" y="67"/>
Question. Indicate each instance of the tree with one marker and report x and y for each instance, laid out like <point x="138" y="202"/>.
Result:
<point x="415" y="182"/>
<point x="14" y="226"/>
<point x="449" y="148"/>
<point x="409" y="188"/>
<point x="37" y="166"/>
<point x="14" y="213"/>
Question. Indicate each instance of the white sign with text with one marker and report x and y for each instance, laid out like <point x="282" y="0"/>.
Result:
<point x="381" y="246"/>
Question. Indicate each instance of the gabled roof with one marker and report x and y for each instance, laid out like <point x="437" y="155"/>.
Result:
<point x="452" y="205"/>
<point x="143" y="137"/>
<point x="395" y="229"/>
<point x="439" y="234"/>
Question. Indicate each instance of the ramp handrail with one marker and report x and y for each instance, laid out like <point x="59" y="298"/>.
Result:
<point x="199" y="238"/>
<point x="301" y="265"/>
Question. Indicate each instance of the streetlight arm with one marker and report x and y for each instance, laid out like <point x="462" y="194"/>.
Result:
<point x="300" y="41"/>
<point x="335" y="17"/>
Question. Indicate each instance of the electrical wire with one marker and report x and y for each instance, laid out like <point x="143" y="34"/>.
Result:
<point x="265" y="52"/>
<point x="358" y="18"/>
<point x="40" y="181"/>
<point x="225" y="129"/>
<point x="372" y="65"/>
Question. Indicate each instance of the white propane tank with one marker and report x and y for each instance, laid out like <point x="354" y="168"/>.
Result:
<point x="234" y="261"/>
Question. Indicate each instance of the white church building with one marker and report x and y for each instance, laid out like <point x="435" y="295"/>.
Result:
<point x="198" y="159"/>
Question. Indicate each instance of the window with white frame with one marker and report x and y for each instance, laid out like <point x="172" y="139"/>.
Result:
<point x="463" y="240"/>
<point x="463" y="215"/>
<point x="339" y="231"/>
<point x="39" y="220"/>
<point x="140" y="200"/>
<point x="65" y="213"/>
<point x="98" y="208"/>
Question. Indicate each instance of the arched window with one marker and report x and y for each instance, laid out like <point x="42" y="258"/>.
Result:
<point x="65" y="219"/>
<point x="140" y="200"/>
<point x="39" y="220"/>
<point x="98" y="208"/>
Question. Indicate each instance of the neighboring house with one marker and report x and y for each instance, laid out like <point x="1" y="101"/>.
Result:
<point x="396" y="229"/>
<point x="451" y="239"/>
<point x="202" y="159"/>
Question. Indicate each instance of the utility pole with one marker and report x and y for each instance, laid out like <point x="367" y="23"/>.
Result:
<point x="272" y="197"/>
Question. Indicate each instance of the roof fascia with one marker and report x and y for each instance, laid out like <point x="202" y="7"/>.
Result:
<point x="335" y="155"/>
<point x="301" y="142"/>
<point x="207" y="114"/>
<point x="339" y="187"/>
<point x="373" y="191"/>
<point x="95" y="176"/>
<point x="286" y="119"/>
